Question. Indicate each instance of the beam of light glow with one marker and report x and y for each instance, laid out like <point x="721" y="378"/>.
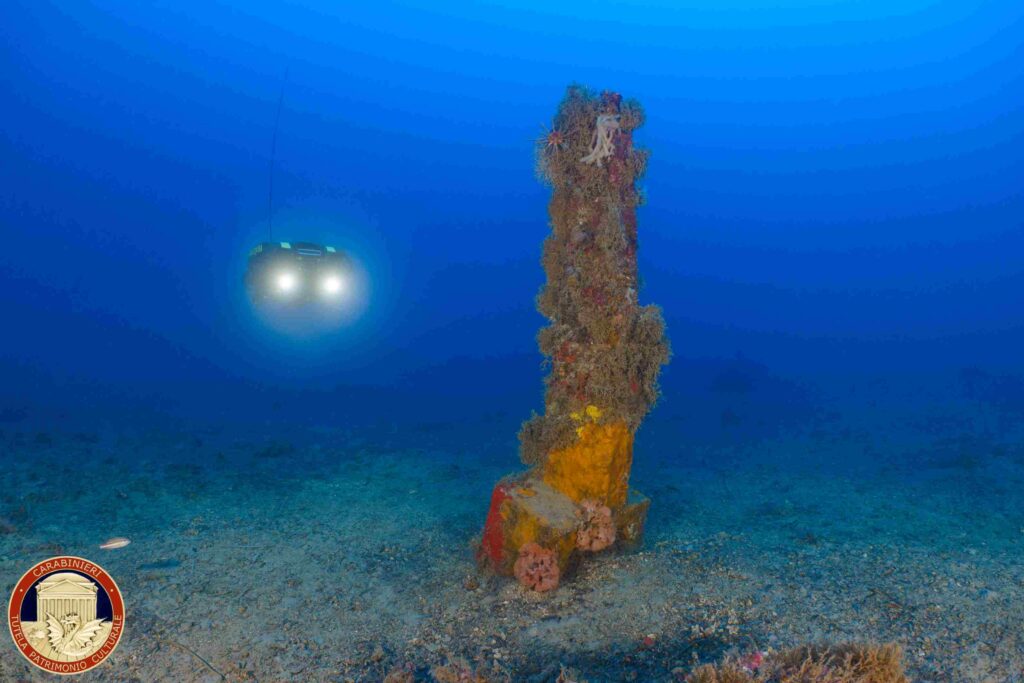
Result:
<point x="332" y="285"/>
<point x="287" y="282"/>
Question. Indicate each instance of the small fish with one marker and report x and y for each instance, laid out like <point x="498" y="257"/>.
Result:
<point x="114" y="543"/>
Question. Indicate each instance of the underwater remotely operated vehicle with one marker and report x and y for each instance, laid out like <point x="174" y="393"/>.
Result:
<point x="296" y="272"/>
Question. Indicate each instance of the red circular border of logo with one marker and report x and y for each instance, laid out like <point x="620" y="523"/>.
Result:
<point x="35" y="574"/>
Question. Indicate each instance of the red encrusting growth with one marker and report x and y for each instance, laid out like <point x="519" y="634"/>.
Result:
<point x="493" y="541"/>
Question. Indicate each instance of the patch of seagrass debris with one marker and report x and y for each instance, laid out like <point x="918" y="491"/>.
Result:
<point x="845" y="663"/>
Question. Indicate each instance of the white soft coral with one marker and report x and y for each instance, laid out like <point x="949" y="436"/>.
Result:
<point x="602" y="147"/>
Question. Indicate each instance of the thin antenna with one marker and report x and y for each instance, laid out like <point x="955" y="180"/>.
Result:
<point x="273" y="157"/>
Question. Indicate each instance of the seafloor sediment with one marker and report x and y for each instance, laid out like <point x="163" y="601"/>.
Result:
<point x="885" y="513"/>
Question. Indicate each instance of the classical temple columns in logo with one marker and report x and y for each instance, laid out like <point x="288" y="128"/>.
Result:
<point x="66" y="593"/>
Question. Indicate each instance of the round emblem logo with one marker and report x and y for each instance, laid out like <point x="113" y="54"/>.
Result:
<point x="66" y="615"/>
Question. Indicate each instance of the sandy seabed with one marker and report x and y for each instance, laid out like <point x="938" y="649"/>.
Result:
<point x="340" y="554"/>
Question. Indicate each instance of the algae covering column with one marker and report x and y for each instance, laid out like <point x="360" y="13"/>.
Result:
<point x="605" y="352"/>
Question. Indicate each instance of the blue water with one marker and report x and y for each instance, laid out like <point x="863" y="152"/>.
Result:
<point x="832" y="229"/>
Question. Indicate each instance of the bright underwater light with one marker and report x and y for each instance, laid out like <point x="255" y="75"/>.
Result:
<point x="306" y="276"/>
<point x="287" y="282"/>
<point x="332" y="285"/>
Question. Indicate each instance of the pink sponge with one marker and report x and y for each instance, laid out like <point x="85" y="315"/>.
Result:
<point x="536" y="568"/>
<point x="597" y="531"/>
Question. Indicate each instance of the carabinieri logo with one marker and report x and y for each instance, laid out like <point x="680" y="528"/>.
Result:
<point x="66" y="615"/>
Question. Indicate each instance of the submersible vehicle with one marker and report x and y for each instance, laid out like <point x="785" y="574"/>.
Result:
<point x="296" y="273"/>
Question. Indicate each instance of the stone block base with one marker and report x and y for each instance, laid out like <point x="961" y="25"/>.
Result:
<point x="630" y="519"/>
<point x="524" y="508"/>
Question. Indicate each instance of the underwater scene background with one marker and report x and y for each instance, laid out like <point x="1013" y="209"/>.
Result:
<point x="830" y="224"/>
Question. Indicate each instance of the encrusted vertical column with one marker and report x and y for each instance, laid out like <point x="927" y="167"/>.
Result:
<point x="605" y="350"/>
